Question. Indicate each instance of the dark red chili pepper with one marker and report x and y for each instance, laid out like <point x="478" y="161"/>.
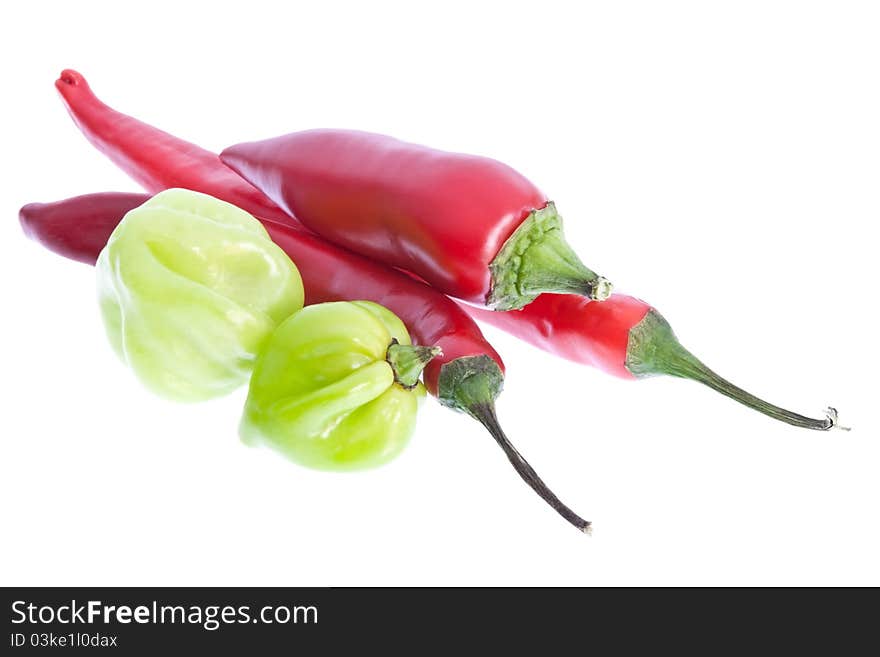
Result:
<point x="49" y="223"/>
<point x="626" y="337"/>
<point x="467" y="377"/>
<point x="469" y="226"/>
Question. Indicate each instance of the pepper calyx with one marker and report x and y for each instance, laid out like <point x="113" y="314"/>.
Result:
<point x="653" y="349"/>
<point x="535" y="259"/>
<point x="468" y="382"/>
<point x="470" y="385"/>
<point x="408" y="361"/>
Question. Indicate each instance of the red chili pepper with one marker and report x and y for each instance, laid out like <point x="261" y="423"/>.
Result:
<point x="469" y="226"/>
<point x="626" y="337"/>
<point x="467" y="377"/>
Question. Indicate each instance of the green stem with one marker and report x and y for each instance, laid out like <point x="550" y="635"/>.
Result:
<point x="470" y="385"/>
<point x="654" y="349"/>
<point x="537" y="259"/>
<point x="408" y="361"/>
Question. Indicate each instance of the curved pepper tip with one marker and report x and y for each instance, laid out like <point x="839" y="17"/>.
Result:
<point x="70" y="78"/>
<point x="27" y="218"/>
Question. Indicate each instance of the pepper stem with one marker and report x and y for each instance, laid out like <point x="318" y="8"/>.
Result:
<point x="408" y="361"/>
<point x="537" y="259"/>
<point x="654" y="349"/>
<point x="470" y="385"/>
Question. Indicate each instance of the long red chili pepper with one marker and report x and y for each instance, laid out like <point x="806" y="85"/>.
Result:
<point x="471" y="227"/>
<point x="626" y="337"/>
<point x="353" y="189"/>
<point x="467" y="377"/>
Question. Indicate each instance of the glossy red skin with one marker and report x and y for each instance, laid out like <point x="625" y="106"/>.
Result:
<point x="328" y="273"/>
<point x="50" y="223"/>
<point x="442" y="216"/>
<point x="153" y="158"/>
<point x="575" y="328"/>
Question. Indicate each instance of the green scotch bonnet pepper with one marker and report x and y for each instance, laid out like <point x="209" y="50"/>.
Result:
<point x="190" y="288"/>
<point x="336" y="387"/>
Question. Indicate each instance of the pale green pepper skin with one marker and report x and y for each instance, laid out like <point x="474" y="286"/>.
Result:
<point x="190" y="288"/>
<point x="323" y="394"/>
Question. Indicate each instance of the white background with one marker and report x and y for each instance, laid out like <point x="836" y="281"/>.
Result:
<point x="720" y="160"/>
